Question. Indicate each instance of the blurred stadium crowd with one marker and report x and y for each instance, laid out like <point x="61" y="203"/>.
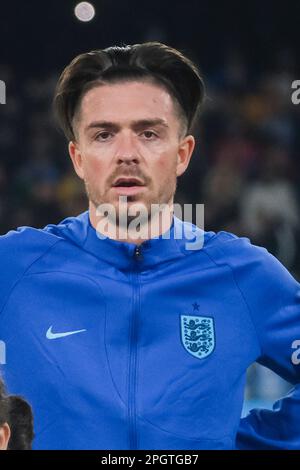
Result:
<point x="245" y="168"/>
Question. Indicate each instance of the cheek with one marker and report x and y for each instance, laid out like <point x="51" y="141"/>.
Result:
<point x="166" y="167"/>
<point x="93" y="167"/>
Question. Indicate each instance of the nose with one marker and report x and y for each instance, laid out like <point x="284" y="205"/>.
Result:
<point x="126" y="149"/>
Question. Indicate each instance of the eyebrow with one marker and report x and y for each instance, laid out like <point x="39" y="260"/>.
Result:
<point x="135" y="125"/>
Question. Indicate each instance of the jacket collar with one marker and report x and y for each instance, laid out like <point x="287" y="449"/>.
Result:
<point x="171" y="245"/>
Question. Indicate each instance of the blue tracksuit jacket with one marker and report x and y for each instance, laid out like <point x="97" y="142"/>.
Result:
<point x="123" y="349"/>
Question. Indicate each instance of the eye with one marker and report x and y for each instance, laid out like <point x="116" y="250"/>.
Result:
<point x="149" y="135"/>
<point x="102" y="136"/>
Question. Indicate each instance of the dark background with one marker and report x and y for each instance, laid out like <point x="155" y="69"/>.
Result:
<point x="246" y="165"/>
<point x="38" y="36"/>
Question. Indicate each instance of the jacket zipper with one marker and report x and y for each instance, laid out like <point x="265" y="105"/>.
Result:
<point x="133" y="351"/>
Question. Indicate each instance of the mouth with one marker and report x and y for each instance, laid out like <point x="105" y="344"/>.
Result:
<point x="127" y="182"/>
<point x="128" y="186"/>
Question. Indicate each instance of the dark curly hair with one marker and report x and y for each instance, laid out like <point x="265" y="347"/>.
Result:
<point x="151" y="61"/>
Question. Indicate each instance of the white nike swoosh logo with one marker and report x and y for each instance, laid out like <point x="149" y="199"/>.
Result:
<point x="51" y="335"/>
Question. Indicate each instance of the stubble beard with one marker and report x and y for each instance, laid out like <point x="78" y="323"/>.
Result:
<point x="122" y="219"/>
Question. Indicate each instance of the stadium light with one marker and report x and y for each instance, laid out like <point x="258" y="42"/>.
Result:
<point x="84" y="11"/>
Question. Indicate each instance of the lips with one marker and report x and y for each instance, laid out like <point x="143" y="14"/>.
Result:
<point x="128" y="186"/>
<point x="127" y="182"/>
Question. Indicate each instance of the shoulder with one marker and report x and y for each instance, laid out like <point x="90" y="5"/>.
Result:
<point x="21" y="247"/>
<point x="25" y="243"/>
<point x="30" y="241"/>
<point x="228" y="248"/>
<point x="222" y="247"/>
<point x="253" y="267"/>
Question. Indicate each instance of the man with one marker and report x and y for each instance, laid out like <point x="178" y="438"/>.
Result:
<point x="20" y="421"/>
<point x="16" y="422"/>
<point x="4" y="417"/>
<point x="121" y="334"/>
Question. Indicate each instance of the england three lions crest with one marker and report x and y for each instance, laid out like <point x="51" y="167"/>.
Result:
<point x="197" y="335"/>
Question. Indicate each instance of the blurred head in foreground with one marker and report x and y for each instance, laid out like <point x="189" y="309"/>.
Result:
<point x="4" y="417"/>
<point x="16" y="422"/>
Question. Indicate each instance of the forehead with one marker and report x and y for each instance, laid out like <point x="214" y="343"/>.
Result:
<point x="127" y="101"/>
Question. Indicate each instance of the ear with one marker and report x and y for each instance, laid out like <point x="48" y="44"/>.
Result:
<point x="184" y="154"/>
<point x="76" y="158"/>
<point x="4" y="436"/>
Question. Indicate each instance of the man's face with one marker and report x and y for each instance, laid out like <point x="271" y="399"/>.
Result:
<point x="128" y="143"/>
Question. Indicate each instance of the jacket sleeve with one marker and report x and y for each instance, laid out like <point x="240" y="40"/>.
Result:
<point x="272" y="296"/>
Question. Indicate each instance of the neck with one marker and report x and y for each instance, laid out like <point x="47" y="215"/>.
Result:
<point x="137" y="230"/>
